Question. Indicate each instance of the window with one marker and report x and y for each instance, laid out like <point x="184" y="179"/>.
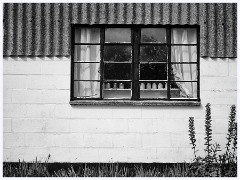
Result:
<point x="135" y="62"/>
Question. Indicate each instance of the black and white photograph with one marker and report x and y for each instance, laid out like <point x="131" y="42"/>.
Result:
<point x="137" y="89"/>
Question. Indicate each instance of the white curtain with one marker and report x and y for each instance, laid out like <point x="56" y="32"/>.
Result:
<point x="87" y="71"/>
<point x="186" y="72"/>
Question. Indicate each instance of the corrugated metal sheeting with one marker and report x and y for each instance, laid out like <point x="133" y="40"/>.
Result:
<point x="44" y="29"/>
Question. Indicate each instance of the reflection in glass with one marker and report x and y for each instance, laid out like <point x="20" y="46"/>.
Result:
<point x="117" y="71"/>
<point x="153" y="53"/>
<point x="118" y="53"/>
<point x="153" y="35"/>
<point x="87" y="35"/>
<point x="86" y="89"/>
<point x="117" y="35"/>
<point x="184" y="36"/>
<point x="87" y="53"/>
<point x="86" y="71"/>
<point x="153" y="71"/>
<point x="183" y="90"/>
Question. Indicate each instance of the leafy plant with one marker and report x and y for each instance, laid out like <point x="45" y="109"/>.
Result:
<point x="192" y="137"/>
<point x="208" y="133"/>
<point x="214" y="165"/>
<point x="231" y="136"/>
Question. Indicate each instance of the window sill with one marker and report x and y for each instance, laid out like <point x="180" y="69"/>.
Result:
<point x="134" y="103"/>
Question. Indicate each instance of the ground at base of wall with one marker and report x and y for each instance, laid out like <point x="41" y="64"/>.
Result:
<point x="37" y="169"/>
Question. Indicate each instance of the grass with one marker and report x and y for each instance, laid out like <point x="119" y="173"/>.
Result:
<point x="37" y="169"/>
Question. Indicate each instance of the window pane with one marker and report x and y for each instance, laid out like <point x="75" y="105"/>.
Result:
<point x="184" y="72"/>
<point x="117" y="71"/>
<point x="153" y="53"/>
<point x="86" y="71"/>
<point x="153" y="35"/>
<point x="87" y="53"/>
<point x="183" y="90"/>
<point x="153" y="71"/>
<point x="86" y="89"/>
<point x="118" y="53"/>
<point x="184" y="36"/>
<point x="184" y="53"/>
<point x="87" y="35"/>
<point x="118" y="35"/>
<point x="117" y="90"/>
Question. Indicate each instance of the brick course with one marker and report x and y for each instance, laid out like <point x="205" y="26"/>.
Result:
<point x="38" y="120"/>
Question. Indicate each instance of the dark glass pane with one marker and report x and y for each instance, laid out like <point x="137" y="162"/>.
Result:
<point x="184" y="36"/>
<point x="117" y="71"/>
<point x="153" y="53"/>
<point x="87" y="53"/>
<point x="184" y="72"/>
<point x="86" y="89"/>
<point x="118" y="35"/>
<point x="87" y="35"/>
<point x="183" y="90"/>
<point x="184" y="54"/>
<point x="153" y="71"/>
<point x="153" y="35"/>
<point x="86" y="71"/>
<point x="117" y="53"/>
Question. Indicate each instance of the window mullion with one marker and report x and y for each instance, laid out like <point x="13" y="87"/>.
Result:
<point x="198" y="63"/>
<point x="72" y="63"/>
<point x="102" y="39"/>
<point x="135" y="65"/>
<point x="169" y="62"/>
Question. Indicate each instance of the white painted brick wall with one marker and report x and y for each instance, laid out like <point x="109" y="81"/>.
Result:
<point x="218" y="83"/>
<point x="232" y="67"/>
<point x="7" y="95"/>
<point x="40" y="110"/>
<point x="28" y="125"/>
<point x="38" y="120"/>
<point x="98" y="140"/>
<point x="99" y="125"/>
<point x="56" y="68"/>
<point x="21" y="65"/>
<point x="14" y="110"/>
<point x="132" y="140"/>
<point x="48" y="82"/>
<point x="216" y="67"/>
<point x="55" y="96"/>
<point x="12" y="140"/>
<point x="26" y="96"/>
<point x="54" y="125"/>
<point x="15" y="81"/>
<point x="7" y="125"/>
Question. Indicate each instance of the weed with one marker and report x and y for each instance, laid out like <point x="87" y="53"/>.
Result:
<point x="214" y="165"/>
